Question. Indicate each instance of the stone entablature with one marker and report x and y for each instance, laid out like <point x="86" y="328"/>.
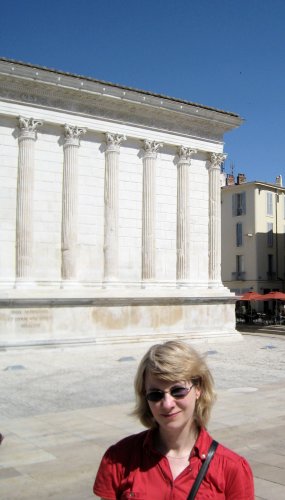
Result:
<point x="41" y="87"/>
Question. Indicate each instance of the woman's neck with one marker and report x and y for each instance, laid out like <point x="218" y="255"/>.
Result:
<point x="177" y="444"/>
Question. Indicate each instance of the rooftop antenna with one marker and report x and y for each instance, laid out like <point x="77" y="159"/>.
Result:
<point x="232" y="167"/>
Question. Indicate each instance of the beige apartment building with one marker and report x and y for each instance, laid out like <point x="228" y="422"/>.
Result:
<point x="253" y="235"/>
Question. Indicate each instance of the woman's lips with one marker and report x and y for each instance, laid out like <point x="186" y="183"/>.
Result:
<point x="169" y="415"/>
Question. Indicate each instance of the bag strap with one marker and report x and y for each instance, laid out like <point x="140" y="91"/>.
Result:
<point x="202" y="471"/>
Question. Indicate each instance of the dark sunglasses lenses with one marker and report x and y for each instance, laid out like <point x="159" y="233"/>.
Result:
<point x="176" y="392"/>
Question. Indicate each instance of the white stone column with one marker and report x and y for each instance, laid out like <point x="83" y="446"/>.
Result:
<point x="148" y="209"/>
<point x="70" y="201"/>
<point x="215" y="219"/>
<point x="24" y="214"/>
<point x="183" y="236"/>
<point x="111" y="206"/>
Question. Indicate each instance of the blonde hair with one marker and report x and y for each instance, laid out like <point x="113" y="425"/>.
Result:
<point x="175" y="361"/>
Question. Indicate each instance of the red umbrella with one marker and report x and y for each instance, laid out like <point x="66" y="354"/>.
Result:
<point x="249" y="297"/>
<point x="252" y="296"/>
<point x="273" y="296"/>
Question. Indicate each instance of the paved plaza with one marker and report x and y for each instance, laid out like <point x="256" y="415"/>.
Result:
<point x="60" y="407"/>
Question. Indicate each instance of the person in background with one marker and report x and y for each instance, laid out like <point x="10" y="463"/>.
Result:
<point x="174" y="396"/>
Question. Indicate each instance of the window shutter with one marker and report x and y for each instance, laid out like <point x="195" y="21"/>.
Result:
<point x="239" y="234"/>
<point x="243" y="198"/>
<point x="269" y="204"/>
<point x="234" y="204"/>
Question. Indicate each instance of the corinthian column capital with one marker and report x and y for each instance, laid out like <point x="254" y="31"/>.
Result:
<point x="72" y="134"/>
<point x="151" y="148"/>
<point x="28" y="127"/>
<point x="217" y="159"/>
<point x="114" y="141"/>
<point x="185" y="154"/>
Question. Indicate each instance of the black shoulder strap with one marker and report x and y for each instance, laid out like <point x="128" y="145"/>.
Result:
<point x="202" y="471"/>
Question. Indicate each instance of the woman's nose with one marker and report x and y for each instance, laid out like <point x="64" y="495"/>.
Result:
<point x="167" y="400"/>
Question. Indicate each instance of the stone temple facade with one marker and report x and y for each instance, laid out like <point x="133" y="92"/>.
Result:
<point x="109" y="212"/>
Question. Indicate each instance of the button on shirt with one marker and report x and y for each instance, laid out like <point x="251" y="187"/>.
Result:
<point x="132" y="468"/>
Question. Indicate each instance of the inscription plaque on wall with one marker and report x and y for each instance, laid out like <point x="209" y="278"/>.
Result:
<point x="30" y="318"/>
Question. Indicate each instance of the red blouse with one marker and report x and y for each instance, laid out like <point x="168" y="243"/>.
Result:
<point x="132" y="468"/>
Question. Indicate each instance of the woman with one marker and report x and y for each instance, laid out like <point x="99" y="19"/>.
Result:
<point x="175" y="393"/>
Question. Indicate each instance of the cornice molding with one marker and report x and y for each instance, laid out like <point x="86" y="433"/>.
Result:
<point x="96" y="108"/>
<point x="50" y="75"/>
<point x="85" y="97"/>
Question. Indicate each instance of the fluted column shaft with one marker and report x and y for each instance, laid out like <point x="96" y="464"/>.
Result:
<point x="111" y="206"/>
<point x="148" y="210"/>
<point x="70" y="202"/>
<point x="24" y="214"/>
<point x="215" y="219"/>
<point x="182" y="229"/>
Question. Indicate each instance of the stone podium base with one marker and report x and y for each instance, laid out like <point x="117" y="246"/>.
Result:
<point x="105" y="318"/>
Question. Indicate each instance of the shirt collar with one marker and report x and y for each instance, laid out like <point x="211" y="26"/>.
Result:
<point x="202" y="444"/>
<point x="148" y="443"/>
<point x="200" y="449"/>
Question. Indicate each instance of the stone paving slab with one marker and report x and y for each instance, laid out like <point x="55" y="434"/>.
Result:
<point x="54" y="441"/>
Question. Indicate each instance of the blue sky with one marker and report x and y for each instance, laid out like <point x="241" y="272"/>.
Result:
<point x="228" y="54"/>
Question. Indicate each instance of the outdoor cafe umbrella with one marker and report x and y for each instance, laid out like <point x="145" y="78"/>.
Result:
<point x="275" y="295"/>
<point x="250" y="296"/>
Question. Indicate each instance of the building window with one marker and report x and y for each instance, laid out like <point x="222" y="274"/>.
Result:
<point x="270" y="234"/>
<point x="239" y="205"/>
<point x="239" y="262"/>
<point x="240" y="274"/>
<point x="239" y="241"/>
<point x="269" y="203"/>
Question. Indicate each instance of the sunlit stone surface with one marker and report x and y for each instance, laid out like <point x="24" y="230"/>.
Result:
<point x="109" y="212"/>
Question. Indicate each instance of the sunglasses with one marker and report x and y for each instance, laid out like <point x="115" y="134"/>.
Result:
<point x="177" y="392"/>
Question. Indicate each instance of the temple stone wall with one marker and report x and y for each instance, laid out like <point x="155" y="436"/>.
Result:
<point x="114" y="322"/>
<point x="109" y="212"/>
<point x="46" y="199"/>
